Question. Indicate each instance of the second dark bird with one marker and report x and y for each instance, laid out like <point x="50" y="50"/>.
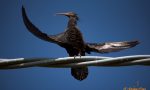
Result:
<point x="72" y="40"/>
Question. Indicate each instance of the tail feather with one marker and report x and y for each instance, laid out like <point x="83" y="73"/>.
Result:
<point x="80" y="73"/>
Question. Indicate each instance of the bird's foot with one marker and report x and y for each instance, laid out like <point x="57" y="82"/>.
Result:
<point x="80" y="56"/>
<point x="74" y="56"/>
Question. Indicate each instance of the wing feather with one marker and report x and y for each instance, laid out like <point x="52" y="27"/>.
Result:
<point x="110" y="46"/>
<point x="35" y="31"/>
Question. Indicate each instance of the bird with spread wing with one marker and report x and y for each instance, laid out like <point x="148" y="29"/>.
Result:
<point x="72" y="40"/>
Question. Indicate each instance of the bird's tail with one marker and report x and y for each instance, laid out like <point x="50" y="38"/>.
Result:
<point x="79" y="73"/>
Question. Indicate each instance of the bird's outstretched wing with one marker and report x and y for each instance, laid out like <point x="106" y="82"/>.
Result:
<point x="35" y="31"/>
<point x="110" y="46"/>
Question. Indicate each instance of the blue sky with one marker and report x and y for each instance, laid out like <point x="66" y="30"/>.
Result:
<point x="100" y="21"/>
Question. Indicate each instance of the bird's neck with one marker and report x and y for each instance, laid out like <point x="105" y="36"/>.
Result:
<point x="72" y="22"/>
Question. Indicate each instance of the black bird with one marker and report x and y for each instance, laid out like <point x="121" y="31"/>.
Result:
<point x="74" y="43"/>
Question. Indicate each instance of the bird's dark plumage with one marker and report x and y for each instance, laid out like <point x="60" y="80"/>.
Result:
<point x="73" y="42"/>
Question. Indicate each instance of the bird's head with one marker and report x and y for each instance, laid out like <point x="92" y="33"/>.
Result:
<point x="69" y="14"/>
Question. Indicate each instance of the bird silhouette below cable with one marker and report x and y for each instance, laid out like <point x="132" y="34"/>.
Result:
<point x="72" y="40"/>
